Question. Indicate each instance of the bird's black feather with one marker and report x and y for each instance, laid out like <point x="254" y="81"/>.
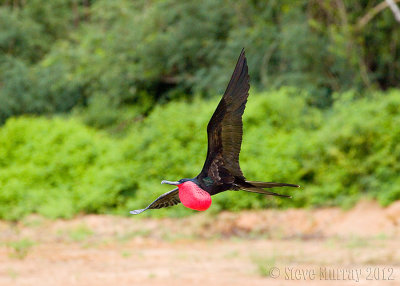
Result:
<point x="168" y="199"/>
<point x="225" y="131"/>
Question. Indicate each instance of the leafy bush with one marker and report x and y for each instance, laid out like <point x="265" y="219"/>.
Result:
<point x="358" y="151"/>
<point x="20" y="36"/>
<point x="36" y="91"/>
<point x="59" y="167"/>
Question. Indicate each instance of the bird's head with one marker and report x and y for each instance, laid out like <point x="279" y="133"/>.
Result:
<point x="191" y="195"/>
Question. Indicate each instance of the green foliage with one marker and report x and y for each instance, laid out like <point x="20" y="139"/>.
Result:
<point x="59" y="167"/>
<point x="35" y="91"/>
<point x="359" y="151"/>
<point x="56" y="17"/>
<point x="55" y="55"/>
<point x="20" y="36"/>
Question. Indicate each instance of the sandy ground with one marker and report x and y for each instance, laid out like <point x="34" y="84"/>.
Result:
<point x="270" y="247"/>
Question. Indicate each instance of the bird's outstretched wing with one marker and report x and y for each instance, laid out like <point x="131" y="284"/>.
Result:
<point x="165" y="200"/>
<point x="225" y="130"/>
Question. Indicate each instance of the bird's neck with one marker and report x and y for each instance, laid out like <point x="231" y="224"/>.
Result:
<point x="194" y="197"/>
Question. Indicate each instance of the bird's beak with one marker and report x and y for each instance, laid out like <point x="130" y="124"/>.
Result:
<point x="170" y="183"/>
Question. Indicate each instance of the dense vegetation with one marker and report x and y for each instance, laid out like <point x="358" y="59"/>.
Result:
<point x="59" y="167"/>
<point x="55" y="55"/>
<point x="98" y="99"/>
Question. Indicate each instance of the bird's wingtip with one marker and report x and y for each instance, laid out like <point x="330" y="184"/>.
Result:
<point x="135" y="212"/>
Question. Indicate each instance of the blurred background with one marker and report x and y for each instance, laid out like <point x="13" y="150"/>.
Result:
<point x="101" y="100"/>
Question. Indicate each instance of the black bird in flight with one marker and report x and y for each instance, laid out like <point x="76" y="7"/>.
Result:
<point x="221" y="170"/>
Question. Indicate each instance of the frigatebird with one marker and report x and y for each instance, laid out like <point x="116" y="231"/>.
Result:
<point x="221" y="171"/>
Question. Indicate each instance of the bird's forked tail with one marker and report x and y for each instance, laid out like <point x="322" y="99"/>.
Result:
<point x="258" y="187"/>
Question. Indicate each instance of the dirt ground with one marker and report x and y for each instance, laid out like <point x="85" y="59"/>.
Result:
<point x="270" y="247"/>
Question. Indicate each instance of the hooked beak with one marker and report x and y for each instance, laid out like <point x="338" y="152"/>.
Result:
<point x="170" y="183"/>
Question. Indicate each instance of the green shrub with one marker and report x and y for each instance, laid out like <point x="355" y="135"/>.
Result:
<point x="20" y="36"/>
<point x="359" y="150"/>
<point x="59" y="167"/>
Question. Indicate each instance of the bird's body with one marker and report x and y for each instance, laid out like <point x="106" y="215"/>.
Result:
<point x="221" y="170"/>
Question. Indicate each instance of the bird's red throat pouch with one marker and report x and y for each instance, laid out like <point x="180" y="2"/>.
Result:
<point x="194" y="197"/>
